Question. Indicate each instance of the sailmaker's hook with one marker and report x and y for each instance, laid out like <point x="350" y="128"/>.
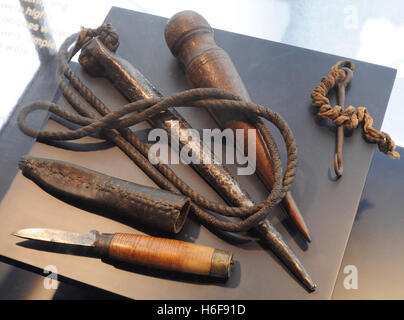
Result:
<point x="342" y="84"/>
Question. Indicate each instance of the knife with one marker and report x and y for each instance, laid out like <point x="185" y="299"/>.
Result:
<point x="147" y="251"/>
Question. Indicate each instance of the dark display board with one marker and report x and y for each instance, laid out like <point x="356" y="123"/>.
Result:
<point x="373" y="263"/>
<point x="276" y="75"/>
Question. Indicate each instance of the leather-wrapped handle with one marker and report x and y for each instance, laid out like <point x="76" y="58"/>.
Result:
<point x="166" y="254"/>
<point x="151" y="207"/>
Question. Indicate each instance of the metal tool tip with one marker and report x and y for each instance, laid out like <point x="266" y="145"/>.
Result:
<point x="25" y="162"/>
<point x="313" y="287"/>
<point x="306" y="235"/>
<point x="22" y="163"/>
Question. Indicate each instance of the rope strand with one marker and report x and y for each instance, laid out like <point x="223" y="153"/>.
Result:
<point x="351" y="117"/>
<point x="116" y="127"/>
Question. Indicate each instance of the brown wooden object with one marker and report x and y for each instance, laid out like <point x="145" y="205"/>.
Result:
<point x="166" y="254"/>
<point x="190" y="38"/>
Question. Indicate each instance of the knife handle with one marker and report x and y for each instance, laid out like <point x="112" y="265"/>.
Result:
<point x="167" y="254"/>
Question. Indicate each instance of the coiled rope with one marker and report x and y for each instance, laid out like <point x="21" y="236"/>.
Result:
<point x="115" y="127"/>
<point x="350" y="117"/>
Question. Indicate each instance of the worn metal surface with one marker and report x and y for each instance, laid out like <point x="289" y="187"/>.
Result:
<point x="135" y="86"/>
<point x="52" y="235"/>
<point x="149" y="207"/>
<point x="221" y="264"/>
<point x="338" y="166"/>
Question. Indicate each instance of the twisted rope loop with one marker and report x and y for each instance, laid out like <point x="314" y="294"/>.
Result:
<point x="350" y="117"/>
<point x="115" y="127"/>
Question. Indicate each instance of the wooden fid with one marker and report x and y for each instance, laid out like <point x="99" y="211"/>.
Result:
<point x="190" y="38"/>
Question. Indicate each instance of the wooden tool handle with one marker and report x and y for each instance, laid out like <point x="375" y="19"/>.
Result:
<point x="190" y="38"/>
<point x="167" y="254"/>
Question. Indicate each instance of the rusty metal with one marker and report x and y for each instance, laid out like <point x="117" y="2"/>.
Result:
<point x="153" y="208"/>
<point x="190" y="38"/>
<point x="98" y="60"/>
<point x="134" y="86"/>
<point x="342" y="84"/>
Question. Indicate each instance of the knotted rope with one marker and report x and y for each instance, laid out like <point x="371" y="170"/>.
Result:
<point x="115" y="126"/>
<point x="351" y="117"/>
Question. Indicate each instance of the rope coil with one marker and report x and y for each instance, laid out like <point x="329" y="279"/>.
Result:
<point x="115" y="126"/>
<point x="351" y="117"/>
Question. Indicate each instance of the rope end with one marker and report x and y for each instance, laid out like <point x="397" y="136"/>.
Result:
<point x="394" y="155"/>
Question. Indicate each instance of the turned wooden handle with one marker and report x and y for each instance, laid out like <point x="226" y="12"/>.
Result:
<point x="190" y="38"/>
<point x="167" y="254"/>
